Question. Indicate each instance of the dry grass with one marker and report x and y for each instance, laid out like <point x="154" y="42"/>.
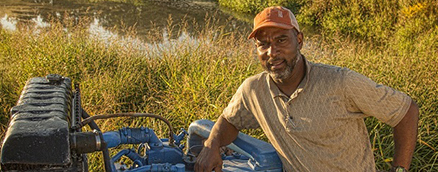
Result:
<point x="195" y="76"/>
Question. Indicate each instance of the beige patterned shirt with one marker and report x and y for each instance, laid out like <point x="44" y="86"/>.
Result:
<point x="320" y="127"/>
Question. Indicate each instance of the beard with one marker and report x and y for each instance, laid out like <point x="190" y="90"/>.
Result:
<point x="282" y="74"/>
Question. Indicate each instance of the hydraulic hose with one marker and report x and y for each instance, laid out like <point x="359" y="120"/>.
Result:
<point x="92" y="124"/>
<point x="105" y="153"/>
<point x="106" y="116"/>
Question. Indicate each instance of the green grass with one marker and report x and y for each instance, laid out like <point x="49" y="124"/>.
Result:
<point x="194" y="79"/>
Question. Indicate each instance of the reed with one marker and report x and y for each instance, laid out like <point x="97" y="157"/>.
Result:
<point x="188" y="76"/>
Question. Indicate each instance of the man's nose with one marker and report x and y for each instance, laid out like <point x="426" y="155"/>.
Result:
<point x="272" y="51"/>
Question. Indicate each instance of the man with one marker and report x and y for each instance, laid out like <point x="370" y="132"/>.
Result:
<point x="311" y="113"/>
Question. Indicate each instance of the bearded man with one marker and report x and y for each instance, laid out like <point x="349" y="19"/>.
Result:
<point x="313" y="114"/>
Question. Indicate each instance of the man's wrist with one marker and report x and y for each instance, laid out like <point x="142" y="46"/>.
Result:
<point x="211" y="144"/>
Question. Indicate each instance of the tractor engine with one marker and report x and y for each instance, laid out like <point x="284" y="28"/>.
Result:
<point x="39" y="131"/>
<point x="45" y="134"/>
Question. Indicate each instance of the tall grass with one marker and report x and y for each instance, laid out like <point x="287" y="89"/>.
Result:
<point x="194" y="76"/>
<point x="184" y="79"/>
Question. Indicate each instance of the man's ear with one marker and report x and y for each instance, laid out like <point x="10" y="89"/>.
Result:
<point x="300" y="39"/>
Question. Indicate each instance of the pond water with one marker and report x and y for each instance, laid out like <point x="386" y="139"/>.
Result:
<point x="143" y="14"/>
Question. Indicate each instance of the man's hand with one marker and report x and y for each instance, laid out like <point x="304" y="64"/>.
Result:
<point x="209" y="159"/>
<point x="222" y="134"/>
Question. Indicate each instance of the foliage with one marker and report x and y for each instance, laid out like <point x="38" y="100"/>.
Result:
<point x="253" y="7"/>
<point x="378" y="21"/>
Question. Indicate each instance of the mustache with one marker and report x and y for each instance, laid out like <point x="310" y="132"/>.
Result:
<point x="274" y="61"/>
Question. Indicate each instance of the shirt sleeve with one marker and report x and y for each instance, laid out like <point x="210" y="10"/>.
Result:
<point x="372" y="99"/>
<point x="237" y="112"/>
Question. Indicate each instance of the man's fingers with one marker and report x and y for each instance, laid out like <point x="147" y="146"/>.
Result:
<point x="218" y="168"/>
<point x="208" y="160"/>
<point x="200" y="167"/>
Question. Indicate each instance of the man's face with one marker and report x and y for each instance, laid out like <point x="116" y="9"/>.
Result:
<point x="278" y="51"/>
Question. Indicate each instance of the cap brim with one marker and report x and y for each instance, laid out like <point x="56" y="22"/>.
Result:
<point x="269" y="24"/>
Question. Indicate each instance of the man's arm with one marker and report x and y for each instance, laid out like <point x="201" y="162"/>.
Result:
<point x="222" y="134"/>
<point x="405" y="137"/>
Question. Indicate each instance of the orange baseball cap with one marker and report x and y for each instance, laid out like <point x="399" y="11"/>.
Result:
<point x="275" y="17"/>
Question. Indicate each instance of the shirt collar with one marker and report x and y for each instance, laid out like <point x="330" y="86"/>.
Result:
<point x="275" y="91"/>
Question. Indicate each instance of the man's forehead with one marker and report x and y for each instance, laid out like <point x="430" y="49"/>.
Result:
<point x="272" y="32"/>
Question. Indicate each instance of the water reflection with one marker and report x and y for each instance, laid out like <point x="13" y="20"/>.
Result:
<point x="8" y="23"/>
<point x="97" y="31"/>
<point x="144" y="14"/>
<point x="39" y="22"/>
